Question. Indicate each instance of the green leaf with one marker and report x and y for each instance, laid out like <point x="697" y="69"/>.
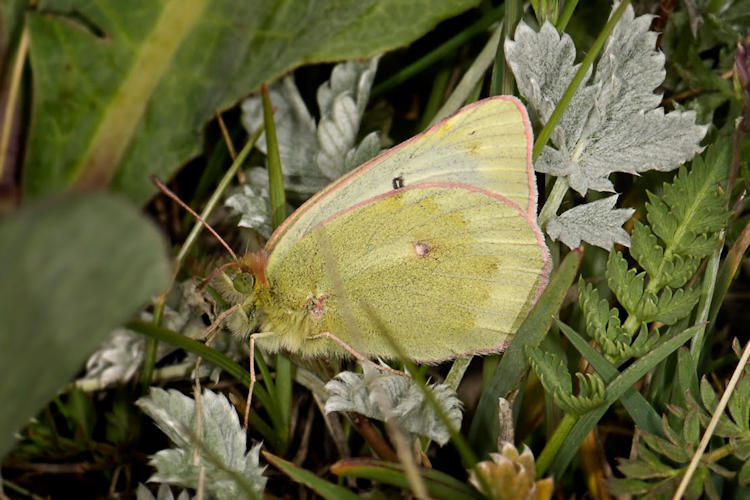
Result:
<point x="628" y="486"/>
<point x="642" y="413"/>
<point x="693" y="206"/>
<point x="645" y="248"/>
<point x="739" y="404"/>
<point x="626" y="284"/>
<point x="73" y="269"/>
<point x="551" y="370"/>
<point x="672" y="307"/>
<point x="691" y="431"/>
<point x="513" y="365"/>
<point x="673" y="450"/>
<point x="744" y="476"/>
<point x="639" y="469"/>
<point x="439" y="485"/>
<point x="126" y="92"/>
<point x="311" y="480"/>
<point x="615" y="390"/>
<point x="708" y="395"/>
<point x="553" y="374"/>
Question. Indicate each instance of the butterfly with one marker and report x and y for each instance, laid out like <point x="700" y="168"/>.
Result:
<point x="432" y="246"/>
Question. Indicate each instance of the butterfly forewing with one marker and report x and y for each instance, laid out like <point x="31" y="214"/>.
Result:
<point x="486" y="144"/>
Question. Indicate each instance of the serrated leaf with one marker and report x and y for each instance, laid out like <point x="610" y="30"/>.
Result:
<point x="394" y="398"/>
<point x="252" y="205"/>
<point x="626" y="284"/>
<point x="672" y="451"/>
<point x="611" y="124"/>
<point x="72" y="269"/>
<point x="551" y="371"/>
<point x="693" y="207"/>
<point x="553" y="374"/>
<point x="543" y="64"/>
<point x="313" y="154"/>
<point x="230" y="470"/>
<point x="597" y="223"/>
<point x="164" y="493"/>
<point x="595" y="309"/>
<point x="646" y="249"/>
<point x="103" y="86"/>
<point x="673" y="306"/>
<point x="639" y="469"/>
<point x="118" y="359"/>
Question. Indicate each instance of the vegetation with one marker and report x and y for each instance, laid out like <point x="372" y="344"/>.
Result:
<point x="628" y="377"/>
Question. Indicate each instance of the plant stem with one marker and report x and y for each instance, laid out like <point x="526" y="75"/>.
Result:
<point x="555" y="442"/>
<point x="440" y="52"/>
<point x="275" y="175"/>
<point x="704" y="307"/>
<point x="554" y="200"/>
<point x="11" y="103"/>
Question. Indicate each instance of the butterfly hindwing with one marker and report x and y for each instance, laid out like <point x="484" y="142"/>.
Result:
<point x="444" y="269"/>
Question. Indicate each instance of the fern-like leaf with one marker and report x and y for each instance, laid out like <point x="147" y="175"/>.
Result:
<point x="553" y="374"/>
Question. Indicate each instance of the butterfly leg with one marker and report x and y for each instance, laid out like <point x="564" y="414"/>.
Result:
<point x="357" y="355"/>
<point x="252" y="381"/>
<point x="252" y="373"/>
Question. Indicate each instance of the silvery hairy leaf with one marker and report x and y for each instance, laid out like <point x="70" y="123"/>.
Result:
<point x="612" y="124"/>
<point x="597" y="223"/>
<point x="163" y="493"/>
<point x="119" y="358"/>
<point x="312" y="155"/>
<point x="251" y="204"/>
<point x="394" y="399"/>
<point x="230" y="470"/>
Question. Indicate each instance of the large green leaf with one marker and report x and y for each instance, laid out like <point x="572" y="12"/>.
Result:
<point x="70" y="270"/>
<point x="122" y="89"/>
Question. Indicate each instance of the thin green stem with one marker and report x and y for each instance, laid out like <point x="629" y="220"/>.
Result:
<point x="555" y="442"/>
<point x="554" y="200"/>
<point x="275" y="175"/>
<point x="209" y="354"/>
<point x="213" y="201"/>
<point x="441" y="52"/>
<point x="12" y="103"/>
<point x="704" y="306"/>
<point x="502" y="78"/>
<point x="437" y="94"/>
<point x="472" y="76"/>
<point x="567" y="13"/>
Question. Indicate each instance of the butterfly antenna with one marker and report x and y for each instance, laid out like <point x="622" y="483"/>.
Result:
<point x="213" y="274"/>
<point x="164" y="189"/>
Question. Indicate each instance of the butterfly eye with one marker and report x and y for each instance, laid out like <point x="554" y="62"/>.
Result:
<point x="244" y="282"/>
